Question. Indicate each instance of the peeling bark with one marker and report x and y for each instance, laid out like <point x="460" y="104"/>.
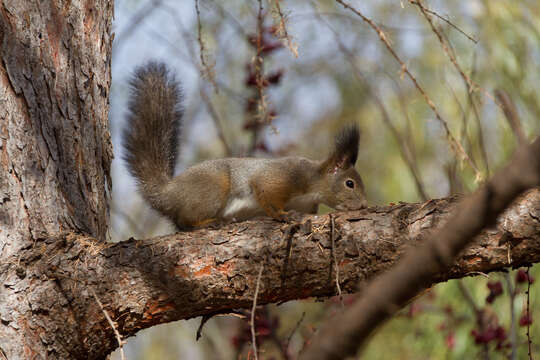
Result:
<point x="146" y="282"/>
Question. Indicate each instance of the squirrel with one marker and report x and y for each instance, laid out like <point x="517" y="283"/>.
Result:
<point x="230" y="188"/>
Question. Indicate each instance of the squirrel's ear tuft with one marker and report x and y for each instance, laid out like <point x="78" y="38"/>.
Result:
<point x="346" y="149"/>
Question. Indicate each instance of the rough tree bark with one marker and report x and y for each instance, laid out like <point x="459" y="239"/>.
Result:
<point x="55" y="155"/>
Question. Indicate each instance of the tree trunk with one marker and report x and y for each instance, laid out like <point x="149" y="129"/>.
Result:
<point x="55" y="155"/>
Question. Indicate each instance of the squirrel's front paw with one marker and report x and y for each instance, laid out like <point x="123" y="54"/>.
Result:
<point x="281" y="216"/>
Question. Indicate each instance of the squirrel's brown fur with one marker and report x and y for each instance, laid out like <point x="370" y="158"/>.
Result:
<point x="232" y="188"/>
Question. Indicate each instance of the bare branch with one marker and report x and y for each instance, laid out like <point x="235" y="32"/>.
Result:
<point x="208" y="70"/>
<point x="253" y="310"/>
<point x="469" y="83"/>
<point x="406" y="149"/>
<point x="449" y="23"/>
<point x="202" y="69"/>
<point x="471" y="86"/>
<point x="218" y="123"/>
<point x="214" y="271"/>
<point x="454" y="144"/>
<point x="112" y="324"/>
<point x="136" y="20"/>
<point x="529" y="316"/>
<point x="478" y="314"/>
<point x="296" y="327"/>
<point x="510" y="111"/>
<point x="334" y="257"/>
<point x="513" y="332"/>
<point x="258" y="61"/>
<point x="282" y="30"/>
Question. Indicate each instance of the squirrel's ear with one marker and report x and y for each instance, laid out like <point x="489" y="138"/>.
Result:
<point x="346" y="150"/>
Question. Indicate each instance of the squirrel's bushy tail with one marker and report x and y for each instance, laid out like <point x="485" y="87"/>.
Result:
<point x="151" y="134"/>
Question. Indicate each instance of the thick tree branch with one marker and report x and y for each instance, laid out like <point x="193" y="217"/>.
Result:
<point x="344" y="334"/>
<point x="146" y="282"/>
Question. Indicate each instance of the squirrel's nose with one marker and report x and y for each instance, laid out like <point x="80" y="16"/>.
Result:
<point x="364" y="203"/>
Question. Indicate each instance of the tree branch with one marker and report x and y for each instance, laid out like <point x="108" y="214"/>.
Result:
<point x="348" y="331"/>
<point x="142" y="283"/>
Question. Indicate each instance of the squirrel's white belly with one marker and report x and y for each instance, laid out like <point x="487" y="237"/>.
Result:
<point x="241" y="207"/>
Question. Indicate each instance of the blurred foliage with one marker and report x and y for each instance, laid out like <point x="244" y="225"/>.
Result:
<point x="424" y="334"/>
<point x="341" y="70"/>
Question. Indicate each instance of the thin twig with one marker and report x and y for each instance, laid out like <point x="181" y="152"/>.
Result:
<point x="467" y="296"/>
<point x="471" y="104"/>
<point x="455" y="145"/>
<point x="471" y="86"/>
<point x="293" y="48"/>
<point x="478" y="313"/>
<point x="192" y="58"/>
<point x="456" y="186"/>
<point x="289" y="235"/>
<point x="112" y="324"/>
<point x="204" y="319"/>
<point x="259" y="67"/>
<point x="406" y="151"/>
<point x="275" y="338"/>
<point x="336" y="265"/>
<point x="253" y="335"/>
<point x="481" y="142"/>
<point x="450" y="23"/>
<point x="529" y="341"/>
<point x="464" y="134"/>
<point x="296" y="327"/>
<point x="408" y="148"/>
<point x="511" y="114"/>
<point x="513" y="333"/>
<point x="135" y="21"/>
<point x="217" y="122"/>
<point x="469" y="83"/>
<point x="224" y="13"/>
<point x="208" y="70"/>
<point x="259" y="117"/>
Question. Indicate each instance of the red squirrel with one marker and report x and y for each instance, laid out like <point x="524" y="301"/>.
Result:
<point x="230" y="188"/>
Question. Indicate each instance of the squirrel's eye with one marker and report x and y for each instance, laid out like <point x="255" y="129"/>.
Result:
<point x="350" y="184"/>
